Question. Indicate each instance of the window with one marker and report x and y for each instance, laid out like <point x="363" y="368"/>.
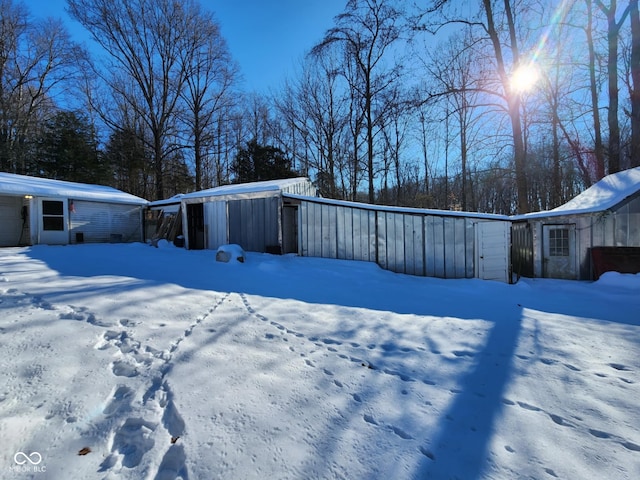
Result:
<point x="559" y="242"/>
<point x="52" y="215"/>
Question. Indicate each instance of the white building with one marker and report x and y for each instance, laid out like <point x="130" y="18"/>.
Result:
<point x="43" y="211"/>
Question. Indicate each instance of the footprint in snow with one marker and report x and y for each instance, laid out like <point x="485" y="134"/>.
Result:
<point x="123" y="369"/>
<point x="173" y="464"/>
<point x="401" y="433"/>
<point x="132" y="441"/>
<point x="620" y="367"/>
<point x="120" y="401"/>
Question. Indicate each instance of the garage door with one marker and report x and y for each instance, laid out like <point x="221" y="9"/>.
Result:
<point x="10" y="216"/>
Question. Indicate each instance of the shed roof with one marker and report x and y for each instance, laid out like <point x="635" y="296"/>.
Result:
<point x="20" y="185"/>
<point x="237" y="189"/>
<point x="603" y="195"/>
<point x="394" y="209"/>
<point x="244" y="188"/>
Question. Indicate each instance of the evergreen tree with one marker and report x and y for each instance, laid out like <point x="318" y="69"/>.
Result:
<point x="126" y="156"/>
<point x="68" y="150"/>
<point x="257" y="162"/>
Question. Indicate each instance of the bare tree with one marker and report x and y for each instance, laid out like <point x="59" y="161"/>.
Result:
<point x="147" y="41"/>
<point x="367" y="30"/>
<point x="599" y="150"/>
<point x="210" y="75"/>
<point x="512" y="97"/>
<point x="635" y="88"/>
<point x="613" y="31"/>
<point x="37" y="62"/>
<point x="453" y="70"/>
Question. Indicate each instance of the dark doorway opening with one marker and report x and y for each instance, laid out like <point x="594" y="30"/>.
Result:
<point x="290" y="229"/>
<point x="195" y="219"/>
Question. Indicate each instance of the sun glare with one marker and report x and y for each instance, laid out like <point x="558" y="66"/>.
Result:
<point x="524" y="78"/>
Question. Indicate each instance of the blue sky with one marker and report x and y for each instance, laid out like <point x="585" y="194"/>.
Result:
<point x="266" y="37"/>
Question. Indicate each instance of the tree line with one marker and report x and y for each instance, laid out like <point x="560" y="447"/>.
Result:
<point x="403" y="103"/>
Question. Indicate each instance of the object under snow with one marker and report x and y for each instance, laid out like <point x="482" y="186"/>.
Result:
<point x="227" y="253"/>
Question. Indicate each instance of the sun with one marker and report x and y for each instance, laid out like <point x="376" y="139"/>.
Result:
<point x="524" y="78"/>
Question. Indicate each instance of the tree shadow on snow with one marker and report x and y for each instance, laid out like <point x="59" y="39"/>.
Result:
<point x="461" y="448"/>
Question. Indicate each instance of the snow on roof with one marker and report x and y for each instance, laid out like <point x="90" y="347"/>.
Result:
<point x="233" y="189"/>
<point x="408" y="210"/>
<point x="19" y="185"/>
<point x="603" y="195"/>
<point x="247" y="188"/>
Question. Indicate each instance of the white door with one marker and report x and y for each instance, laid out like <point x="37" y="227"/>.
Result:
<point x="54" y="221"/>
<point x="559" y="257"/>
<point x="493" y="253"/>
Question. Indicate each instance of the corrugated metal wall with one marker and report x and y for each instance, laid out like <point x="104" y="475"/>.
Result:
<point x="255" y="223"/>
<point x="105" y="222"/>
<point x="427" y="245"/>
<point x="215" y="219"/>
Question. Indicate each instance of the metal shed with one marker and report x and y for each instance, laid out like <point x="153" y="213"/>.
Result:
<point x="44" y="211"/>
<point x="432" y="243"/>
<point x="252" y="215"/>
<point x="559" y="243"/>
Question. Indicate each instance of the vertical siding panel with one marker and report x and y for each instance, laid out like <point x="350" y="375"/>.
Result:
<point x="370" y="245"/>
<point x="315" y="230"/>
<point x="325" y="228"/>
<point x="399" y="241"/>
<point x="310" y="229"/>
<point x="381" y="235"/>
<point x="397" y="245"/>
<point x="459" y="250"/>
<point x="343" y="233"/>
<point x="439" y="249"/>
<point x="449" y="247"/>
<point x="634" y="228"/>
<point x="350" y="239"/>
<point x="429" y="247"/>
<point x="302" y="229"/>
<point x="409" y="245"/>
<point x="470" y="248"/>
<point x="409" y="242"/>
<point x="418" y="245"/>
<point x="274" y="226"/>
<point x="358" y="235"/>
<point x="333" y="230"/>
<point x="215" y="214"/>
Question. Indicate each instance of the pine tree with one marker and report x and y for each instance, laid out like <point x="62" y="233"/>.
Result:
<point x="257" y="162"/>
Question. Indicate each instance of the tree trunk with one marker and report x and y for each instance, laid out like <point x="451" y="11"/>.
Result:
<point x="635" y="90"/>
<point x="513" y="102"/>
<point x="612" y="74"/>
<point x="613" y="30"/>
<point x="597" y="126"/>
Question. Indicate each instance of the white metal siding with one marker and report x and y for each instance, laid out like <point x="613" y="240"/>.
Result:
<point x="494" y="246"/>
<point x="11" y="220"/>
<point x="215" y="219"/>
<point x="105" y="222"/>
<point x="413" y="243"/>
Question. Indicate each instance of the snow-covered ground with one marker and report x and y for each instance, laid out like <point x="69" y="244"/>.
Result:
<point x="127" y="361"/>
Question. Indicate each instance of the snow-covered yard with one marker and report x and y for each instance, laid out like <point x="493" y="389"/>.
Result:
<point x="126" y="361"/>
